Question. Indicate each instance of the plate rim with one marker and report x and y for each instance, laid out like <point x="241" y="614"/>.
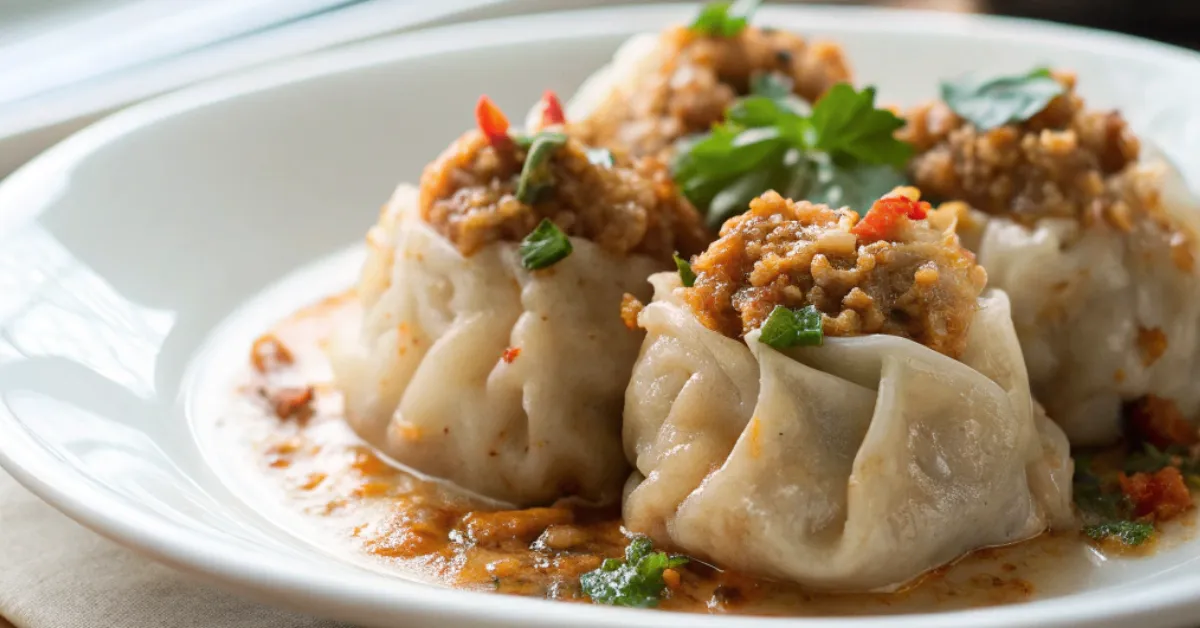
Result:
<point x="362" y="597"/>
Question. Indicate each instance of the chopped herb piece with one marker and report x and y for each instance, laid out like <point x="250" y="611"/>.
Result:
<point x="1127" y="532"/>
<point x="724" y="19"/>
<point x="600" y="157"/>
<point x="990" y="103"/>
<point x="492" y="122"/>
<point x="636" y="581"/>
<point x="844" y="153"/>
<point x="846" y="124"/>
<point x="789" y="328"/>
<point x="686" y="275"/>
<point x="1149" y="460"/>
<point x="544" y="246"/>
<point x="534" y="178"/>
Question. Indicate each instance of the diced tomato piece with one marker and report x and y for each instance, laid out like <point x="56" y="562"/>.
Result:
<point x="1161" y="495"/>
<point x="880" y="223"/>
<point x="552" y="110"/>
<point x="492" y="122"/>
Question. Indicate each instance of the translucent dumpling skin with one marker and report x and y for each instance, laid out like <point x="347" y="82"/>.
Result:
<point x="505" y="381"/>
<point x="853" y="466"/>
<point x="900" y="439"/>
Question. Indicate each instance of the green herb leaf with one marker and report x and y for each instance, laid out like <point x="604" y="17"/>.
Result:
<point x="1149" y="460"/>
<point x="990" y="103"/>
<point x="600" y="157"/>
<point x="843" y="154"/>
<point x="637" y="581"/>
<point x="686" y="275"/>
<point x="856" y="186"/>
<point x="1127" y="532"/>
<point x="789" y="328"/>
<point x="724" y="19"/>
<point x="846" y="124"/>
<point x="545" y="246"/>
<point x="534" y="177"/>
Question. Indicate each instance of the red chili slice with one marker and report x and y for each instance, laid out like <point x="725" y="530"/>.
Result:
<point x="492" y="122"/>
<point x="552" y="110"/>
<point x="880" y="223"/>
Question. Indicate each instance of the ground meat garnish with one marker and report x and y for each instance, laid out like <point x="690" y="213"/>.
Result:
<point x="919" y="283"/>
<point x="694" y="78"/>
<point x="1159" y="496"/>
<point x="1055" y="164"/>
<point x="468" y="194"/>
<point x="268" y="353"/>
<point x="630" y="308"/>
<point x="1159" y="422"/>
<point x="290" y="402"/>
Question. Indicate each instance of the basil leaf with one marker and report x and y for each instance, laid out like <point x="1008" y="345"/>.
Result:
<point x="846" y="124"/>
<point x="991" y="103"/>
<point x="789" y="328"/>
<point x="686" y="276"/>
<point x="534" y="178"/>
<point x="857" y="186"/>
<point x="600" y="157"/>
<point x="636" y="581"/>
<point x="724" y="19"/>
<point x="545" y="246"/>
<point x="1127" y="532"/>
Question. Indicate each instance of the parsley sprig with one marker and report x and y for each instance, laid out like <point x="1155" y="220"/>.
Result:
<point x="844" y="152"/>
<point x="724" y="19"/>
<point x="636" y="581"/>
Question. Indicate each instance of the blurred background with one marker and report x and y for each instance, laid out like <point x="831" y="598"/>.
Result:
<point x="68" y="62"/>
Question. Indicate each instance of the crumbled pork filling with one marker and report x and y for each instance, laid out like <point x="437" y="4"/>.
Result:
<point x="1061" y="162"/>
<point x="469" y="196"/>
<point x="918" y="283"/>
<point x="696" y="77"/>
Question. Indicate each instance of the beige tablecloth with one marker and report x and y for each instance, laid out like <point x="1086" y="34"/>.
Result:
<point x="55" y="573"/>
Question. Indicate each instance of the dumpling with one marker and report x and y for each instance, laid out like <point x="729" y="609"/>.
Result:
<point x="904" y="440"/>
<point x="1093" y="247"/>
<point x="474" y="367"/>
<point x="661" y="87"/>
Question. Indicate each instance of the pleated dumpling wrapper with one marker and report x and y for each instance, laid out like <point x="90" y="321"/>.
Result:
<point x="661" y="87"/>
<point x="492" y="351"/>
<point x="1094" y="244"/>
<point x="907" y="438"/>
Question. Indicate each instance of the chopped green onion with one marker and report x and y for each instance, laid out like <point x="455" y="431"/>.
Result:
<point x="600" y="157"/>
<point x="686" y="275"/>
<point x="544" y="246"/>
<point x="534" y="177"/>
<point x="786" y="327"/>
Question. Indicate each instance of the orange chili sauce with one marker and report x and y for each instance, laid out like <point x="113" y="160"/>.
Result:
<point x="418" y="528"/>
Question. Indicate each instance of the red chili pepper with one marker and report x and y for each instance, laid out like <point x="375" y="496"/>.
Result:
<point x="492" y="122"/>
<point x="552" y="110"/>
<point x="881" y="221"/>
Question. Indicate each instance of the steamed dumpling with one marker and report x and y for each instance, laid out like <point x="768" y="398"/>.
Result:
<point x="1089" y="244"/>
<point x="471" y="367"/>
<point x="904" y="441"/>
<point x="662" y="87"/>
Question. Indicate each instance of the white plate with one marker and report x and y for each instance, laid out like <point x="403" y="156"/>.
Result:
<point x="131" y="256"/>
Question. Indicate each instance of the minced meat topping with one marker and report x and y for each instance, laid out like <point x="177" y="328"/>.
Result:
<point x="889" y="274"/>
<point x="1057" y="163"/>
<point x="468" y="194"/>
<point x="696" y="77"/>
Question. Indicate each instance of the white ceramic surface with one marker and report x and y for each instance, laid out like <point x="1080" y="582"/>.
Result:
<point x="141" y="256"/>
